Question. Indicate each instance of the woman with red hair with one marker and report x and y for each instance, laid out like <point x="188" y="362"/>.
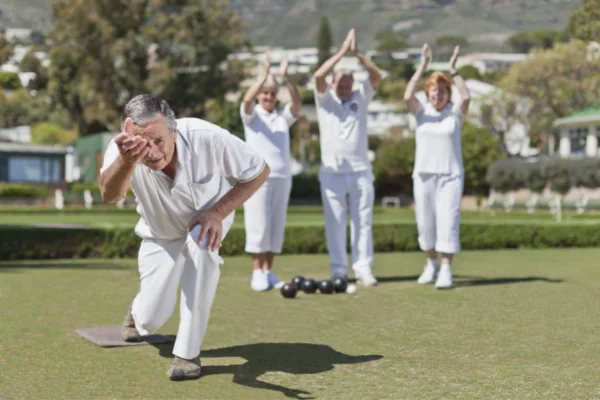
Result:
<point x="438" y="173"/>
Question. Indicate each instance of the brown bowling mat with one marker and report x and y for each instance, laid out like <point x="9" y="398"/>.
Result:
<point x="111" y="337"/>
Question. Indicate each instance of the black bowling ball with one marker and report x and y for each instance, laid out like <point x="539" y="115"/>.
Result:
<point x="309" y="286"/>
<point x="289" y="290"/>
<point x="340" y="285"/>
<point x="326" y="286"/>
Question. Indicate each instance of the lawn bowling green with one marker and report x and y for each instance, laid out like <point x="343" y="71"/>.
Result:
<point x="520" y="324"/>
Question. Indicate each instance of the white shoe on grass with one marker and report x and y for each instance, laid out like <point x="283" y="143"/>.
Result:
<point x="259" y="282"/>
<point x="366" y="278"/>
<point x="429" y="275"/>
<point x="444" y="279"/>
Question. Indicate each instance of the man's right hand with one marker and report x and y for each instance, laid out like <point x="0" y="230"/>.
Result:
<point x="348" y="42"/>
<point x="132" y="148"/>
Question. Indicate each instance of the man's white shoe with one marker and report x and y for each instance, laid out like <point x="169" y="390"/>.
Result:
<point x="429" y="275"/>
<point x="366" y="278"/>
<point x="444" y="279"/>
<point x="259" y="282"/>
<point x="273" y="281"/>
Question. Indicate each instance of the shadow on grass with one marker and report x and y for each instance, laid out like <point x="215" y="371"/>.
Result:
<point x="478" y="281"/>
<point x="262" y="358"/>
<point x="18" y="266"/>
<point x="466" y="280"/>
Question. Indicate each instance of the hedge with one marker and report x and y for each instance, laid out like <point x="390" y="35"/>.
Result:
<point x="559" y="174"/>
<point x="23" y="191"/>
<point x="25" y="243"/>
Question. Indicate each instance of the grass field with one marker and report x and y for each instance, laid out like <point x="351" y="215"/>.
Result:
<point x="297" y="216"/>
<point x="519" y="325"/>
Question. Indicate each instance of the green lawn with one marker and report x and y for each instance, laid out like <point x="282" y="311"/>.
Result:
<point x="519" y="325"/>
<point x="297" y="216"/>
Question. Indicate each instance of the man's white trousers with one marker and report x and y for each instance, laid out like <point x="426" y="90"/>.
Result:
<point x="162" y="266"/>
<point x="265" y="215"/>
<point x="437" y="210"/>
<point x="341" y="193"/>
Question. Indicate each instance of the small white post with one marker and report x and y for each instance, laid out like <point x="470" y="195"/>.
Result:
<point x="87" y="198"/>
<point x="59" y="201"/>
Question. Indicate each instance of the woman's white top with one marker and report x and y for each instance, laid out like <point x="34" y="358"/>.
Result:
<point x="269" y="134"/>
<point x="438" y="135"/>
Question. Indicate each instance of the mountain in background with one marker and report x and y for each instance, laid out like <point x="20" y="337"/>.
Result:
<point x="294" y="23"/>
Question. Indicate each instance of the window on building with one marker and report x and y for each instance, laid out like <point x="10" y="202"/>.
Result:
<point x="578" y="138"/>
<point x="34" y="169"/>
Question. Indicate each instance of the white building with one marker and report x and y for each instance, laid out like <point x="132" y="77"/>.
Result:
<point x="579" y="133"/>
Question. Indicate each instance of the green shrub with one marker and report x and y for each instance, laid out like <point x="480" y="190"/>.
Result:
<point x="306" y="187"/>
<point x="19" y="243"/>
<point x="23" y="190"/>
<point x="393" y="167"/>
<point x="10" y="81"/>
<point x="560" y="174"/>
<point x="80" y="187"/>
<point x="479" y="149"/>
<point x="51" y="133"/>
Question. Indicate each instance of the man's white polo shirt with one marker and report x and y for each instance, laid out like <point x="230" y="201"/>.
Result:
<point x="343" y="130"/>
<point x="269" y="134"/>
<point x="210" y="161"/>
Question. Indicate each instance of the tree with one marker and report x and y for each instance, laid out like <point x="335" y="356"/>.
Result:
<point x="226" y="114"/>
<point x="10" y="81"/>
<point x="324" y="41"/>
<point x="555" y="83"/>
<point x="584" y="22"/>
<point x="444" y="46"/>
<point x="480" y="148"/>
<point x="6" y="49"/>
<point x="523" y="42"/>
<point x="30" y="63"/>
<point x="389" y="42"/>
<point x="469" y="72"/>
<point x="50" y="133"/>
<point x="13" y="112"/>
<point x="105" y="52"/>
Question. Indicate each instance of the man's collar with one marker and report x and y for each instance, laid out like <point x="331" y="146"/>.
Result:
<point x="261" y="110"/>
<point x="183" y="148"/>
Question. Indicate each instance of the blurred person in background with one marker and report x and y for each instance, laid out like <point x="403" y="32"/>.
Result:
<point x="346" y="174"/>
<point x="267" y="130"/>
<point x="438" y="176"/>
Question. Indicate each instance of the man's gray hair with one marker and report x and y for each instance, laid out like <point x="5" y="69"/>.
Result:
<point x="343" y="72"/>
<point x="145" y="108"/>
<point x="271" y="82"/>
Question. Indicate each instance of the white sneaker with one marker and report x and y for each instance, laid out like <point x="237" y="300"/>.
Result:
<point x="366" y="278"/>
<point x="444" y="279"/>
<point x="259" y="282"/>
<point x="430" y="273"/>
<point x="273" y="281"/>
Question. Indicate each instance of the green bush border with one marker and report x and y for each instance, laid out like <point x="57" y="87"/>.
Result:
<point x="25" y="243"/>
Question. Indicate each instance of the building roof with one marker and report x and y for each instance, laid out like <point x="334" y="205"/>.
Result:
<point x="587" y="115"/>
<point x="31" y="148"/>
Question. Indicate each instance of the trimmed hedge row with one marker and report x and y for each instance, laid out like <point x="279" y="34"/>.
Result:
<point x="23" y="191"/>
<point x="559" y="174"/>
<point x="24" y="243"/>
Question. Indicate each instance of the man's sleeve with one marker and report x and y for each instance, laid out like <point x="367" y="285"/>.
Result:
<point x="236" y="160"/>
<point x="247" y="119"/>
<point x="111" y="154"/>
<point x="367" y="90"/>
<point x="287" y="115"/>
<point x="322" y="99"/>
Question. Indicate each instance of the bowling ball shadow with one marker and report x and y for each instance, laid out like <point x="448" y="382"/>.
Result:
<point x="261" y="358"/>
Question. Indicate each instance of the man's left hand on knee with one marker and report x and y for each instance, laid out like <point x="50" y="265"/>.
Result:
<point x="211" y="228"/>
